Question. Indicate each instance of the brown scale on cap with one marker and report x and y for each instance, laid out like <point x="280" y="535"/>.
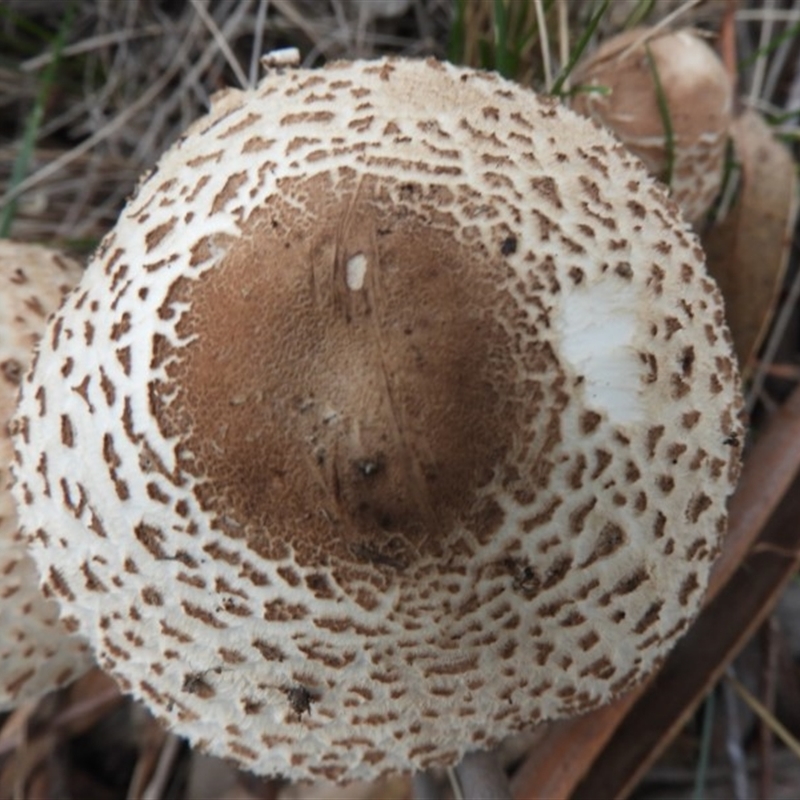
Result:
<point x="37" y="652"/>
<point x="380" y="454"/>
<point x="698" y="95"/>
<point x="406" y="386"/>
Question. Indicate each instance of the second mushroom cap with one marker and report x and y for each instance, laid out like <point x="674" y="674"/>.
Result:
<point x="668" y="98"/>
<point x="38" y="653"/>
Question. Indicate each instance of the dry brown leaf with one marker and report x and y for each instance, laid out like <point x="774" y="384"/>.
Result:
<point x="748" y="251"/>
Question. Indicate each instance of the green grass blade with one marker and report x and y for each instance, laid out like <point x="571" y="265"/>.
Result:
<point x="639" y="13"/>
<point x="456" y="44"/>
<point x="503" y="58"/>
<point x="577" y="52"/>
<point x="790" y="33"/>
<point x="34" y="121"/>
<point x="586" y="88"/>
<point x="666" y="118"/>
<point x="780" y="119"/>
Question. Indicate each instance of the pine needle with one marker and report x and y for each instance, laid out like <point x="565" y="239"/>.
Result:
<point x="765" y="715"/>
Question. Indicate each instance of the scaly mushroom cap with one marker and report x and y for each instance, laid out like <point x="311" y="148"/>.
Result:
<point x="37" y="654"/>
<point x="699" y="99"/>
<point x="397" y="413"/>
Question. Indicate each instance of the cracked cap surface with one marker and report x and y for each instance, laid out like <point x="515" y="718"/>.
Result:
<point x="407" y="415"/>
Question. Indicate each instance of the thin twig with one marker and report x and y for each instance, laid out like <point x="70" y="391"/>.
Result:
<point x="304" y="24"/>
<point x="760" y="66"/>
<point x="156" y="789"/>
<point x="104" y="133"/>
<point x="773" y="14"/>
<point x="92" y="43"/>
<point x="544" y="41"/>
<point x="258" y="42"/>
<point x="780" y="730"/>
<point x="221" y="41"/>
<point x="656" y="29"/>
<point x="769" y="640"/>
<point x="701" y="773"/>
<point x="733" y="742"/>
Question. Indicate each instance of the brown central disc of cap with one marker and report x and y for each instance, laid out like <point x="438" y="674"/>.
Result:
<point x="351" y="384"/>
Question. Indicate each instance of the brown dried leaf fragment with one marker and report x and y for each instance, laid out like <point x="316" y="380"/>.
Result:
<point x="748" y="251"/>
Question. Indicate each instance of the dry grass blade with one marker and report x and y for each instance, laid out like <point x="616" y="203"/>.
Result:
<point x="664" y="24"/>
<point x="258" y="39"/>
<point x="565" y="75"/>
<point x="134" y="75"/>
<point x="162" y="773"/>
<point x="101" y="135"/>
<point x="756" y="85"/>
<point x="221" y="41"/>
<point x="153" y="741"/>
<point x="764" y="714"/>
<point x="544" y="42"/>
<point x="87" y="45"/>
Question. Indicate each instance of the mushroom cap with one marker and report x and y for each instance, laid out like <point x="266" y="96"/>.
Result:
<point x="407" y="416"/>
<point x="37" y="653"/>
<point x="698" y="95"/>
